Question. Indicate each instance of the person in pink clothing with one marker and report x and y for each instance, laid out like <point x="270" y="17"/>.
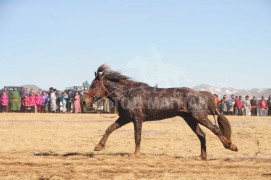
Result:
<point x="76" y="103"/>
<point x="32" y="101"/>
<point x="4" y="102"/>
<point x="38" y="100"/>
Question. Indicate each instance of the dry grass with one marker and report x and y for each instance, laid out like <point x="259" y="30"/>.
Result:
<point x="168" y="149"/>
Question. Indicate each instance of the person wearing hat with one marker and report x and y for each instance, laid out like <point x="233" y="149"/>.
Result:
<point x="263" y="107"/>
<point x="253" y="103"/>
<point x="247" y="106"/>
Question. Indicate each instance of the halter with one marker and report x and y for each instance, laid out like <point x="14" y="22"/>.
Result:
<point x="102" y="86"/>
<point x="94" y="95"/>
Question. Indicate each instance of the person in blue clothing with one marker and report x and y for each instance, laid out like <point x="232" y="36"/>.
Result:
<point x="231" y="103"/>
<point x="63" y="102"/>
<point x="85" y="85"/>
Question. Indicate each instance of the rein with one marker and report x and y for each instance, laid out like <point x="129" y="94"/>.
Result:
<point x="98" y="99"/>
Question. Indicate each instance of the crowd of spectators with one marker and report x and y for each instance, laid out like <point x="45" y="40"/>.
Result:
<point x="41" y="101"/>
<point x="239" y="106"/>
<point x="70" y="101"/>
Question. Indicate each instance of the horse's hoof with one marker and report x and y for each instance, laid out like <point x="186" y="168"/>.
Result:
<point x="200" y="158"/>
<point x="98" y="148"/>
<point x="233" y="147"/>
<point x="134" y="155"/>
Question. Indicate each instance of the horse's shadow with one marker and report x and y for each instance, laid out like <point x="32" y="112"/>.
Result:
<point x="121" y="154"/>
<point x="70" y="154"/>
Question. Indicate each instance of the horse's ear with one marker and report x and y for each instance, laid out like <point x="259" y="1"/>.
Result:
<point x="98" y="75"/>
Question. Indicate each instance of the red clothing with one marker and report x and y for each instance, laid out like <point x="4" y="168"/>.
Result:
<point x="216" y="100"/>
<point x="260" y="104"/>
<point x="32" y="100"/>
<point x="26" y="102"/>
<point x="4" y="100"/>
<point x="38" y="100"/>
<point x="239" y="104"/>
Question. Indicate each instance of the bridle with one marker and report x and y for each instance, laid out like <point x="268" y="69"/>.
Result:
<point x="95" y="95"/>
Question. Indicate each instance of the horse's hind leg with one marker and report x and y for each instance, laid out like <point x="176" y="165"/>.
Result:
<point x="193" y="124"/>
<point x="215" y="129"/>
<point x="117" y="124"/>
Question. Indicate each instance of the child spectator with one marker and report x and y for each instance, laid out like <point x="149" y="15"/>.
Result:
<point x="38" y="100"/>
<point x="63" y="102"/>
<point x="26" y="103"/>
<point x="32" y="101"/>
<point x="4" y="102"/>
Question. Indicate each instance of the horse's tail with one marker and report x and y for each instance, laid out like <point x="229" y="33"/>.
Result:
<point x="224" y="125"/>
<point x="223" y="122"/>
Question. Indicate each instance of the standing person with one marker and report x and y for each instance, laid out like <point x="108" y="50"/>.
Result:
<point x="14" y="100"/>
<point x="253" y="103"/>
<point x="44" y="99"/>
<point x="269" y="105"/>
<point x="32" y="101"/>
<point x="58" y="98"/>
<point x="85" y="85"/>
<point x="235" y="106"/>
<point x="217" y="102"/>
<point x="231" y="103"/>
<point x="38" y="100"/>
<point x="247" y="106"/>
<point x="224" y="106"/>
<point x="239" y="106"/>
<point x="262" y="105"/>
<point x="76" y="103"/>
<point x="4" y="102"/>
<point x="63" y="102"/>
<point x="26" y="103"/>
<point x="81" y="102"/>
<point x="23" y="95"/>
<point x="69" y="101"/>
<point x="53" y="101"/>
<point x="49" y="100"/>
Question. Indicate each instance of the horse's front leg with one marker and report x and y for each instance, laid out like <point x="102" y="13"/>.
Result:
<point x="138" y="129"/>
<point x="117" y="124"/>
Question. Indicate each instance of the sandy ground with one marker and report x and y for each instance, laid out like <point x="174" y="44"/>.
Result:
<point x="168" y="149"/>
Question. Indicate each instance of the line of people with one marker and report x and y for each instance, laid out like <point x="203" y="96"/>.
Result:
<point x="41" y="101"/>
<point x="236" y="105"/>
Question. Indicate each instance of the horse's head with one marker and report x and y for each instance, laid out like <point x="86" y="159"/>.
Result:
<point x="97" y="89"/>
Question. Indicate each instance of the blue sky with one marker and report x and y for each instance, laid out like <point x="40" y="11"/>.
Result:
<point x="169" y="43"/>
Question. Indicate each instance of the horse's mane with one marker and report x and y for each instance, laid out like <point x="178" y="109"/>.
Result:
<point x="117" y="77"/>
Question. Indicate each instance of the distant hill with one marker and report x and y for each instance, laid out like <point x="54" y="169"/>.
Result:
<point x="36" y="88"/>
<point x="228" y="91"/>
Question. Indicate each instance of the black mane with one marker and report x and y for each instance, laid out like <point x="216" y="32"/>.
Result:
<point x="117" y="77"/>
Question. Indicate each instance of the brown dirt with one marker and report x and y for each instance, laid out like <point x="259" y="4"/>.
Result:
<point x="168" y="149"/>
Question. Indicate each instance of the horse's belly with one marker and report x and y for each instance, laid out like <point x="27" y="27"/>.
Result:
<point x="159" y="114"/>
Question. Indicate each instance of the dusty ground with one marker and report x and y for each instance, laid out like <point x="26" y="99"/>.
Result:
<point x="168" y="149"/>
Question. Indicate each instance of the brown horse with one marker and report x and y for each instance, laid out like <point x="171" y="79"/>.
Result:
<point x="138" y="102"/>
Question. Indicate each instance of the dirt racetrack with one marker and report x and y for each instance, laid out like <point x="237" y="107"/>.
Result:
<point x="66" y="143"/>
